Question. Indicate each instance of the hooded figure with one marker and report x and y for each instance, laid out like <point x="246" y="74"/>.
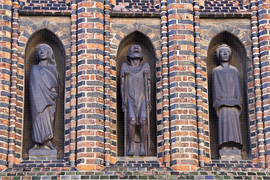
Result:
<point x="43" y="94"/>
<point x="227" y="100"/>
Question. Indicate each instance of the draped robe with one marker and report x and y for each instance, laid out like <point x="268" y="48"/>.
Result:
<point x="43" y="94"/>
<point x="227" y="103"/>
<point x="136" y="99"/>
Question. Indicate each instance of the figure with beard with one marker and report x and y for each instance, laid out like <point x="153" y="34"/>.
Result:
<point x="136" y="93"/>
<point x="227" y="100"/>
<point x="43" y="94"/>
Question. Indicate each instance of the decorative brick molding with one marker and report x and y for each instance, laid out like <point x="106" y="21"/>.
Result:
<point x="136" y="6"/>
<point x="45" y="7"/>
<point x="223" y="6"/>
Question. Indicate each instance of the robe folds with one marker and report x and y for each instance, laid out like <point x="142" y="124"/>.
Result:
<point x="227" y="102"/>
<point x="43" y="88"/>
<point x="136" y="90"/>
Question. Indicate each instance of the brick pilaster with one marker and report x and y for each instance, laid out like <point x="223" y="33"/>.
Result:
<point x="107" y="68"/>
<point x="73" y="84"/>
<point x="5" y="60"/>
<point x="264" y="40"/>
<point x="184" y="147"/>
<point x="256" y="124"/>
<point x="13" y="136"/>
<point x="164" y="151"/>
<point x="201" y="94"/>
<point x="90" y="98"/>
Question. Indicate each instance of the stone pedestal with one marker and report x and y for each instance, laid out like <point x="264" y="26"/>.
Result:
<point x="42" y="154"/>
<point x="230" y="154"/>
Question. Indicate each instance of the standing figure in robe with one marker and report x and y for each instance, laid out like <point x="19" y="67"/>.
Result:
<point x="43" y="94"/>
<point x="136" y="93"/>
<point x="227" y="100"/>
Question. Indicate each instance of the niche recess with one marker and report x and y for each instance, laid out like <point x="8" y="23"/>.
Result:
<point x="47" y="37"/>
<point x="149" y="57"/>
<point x="239" y="60"/>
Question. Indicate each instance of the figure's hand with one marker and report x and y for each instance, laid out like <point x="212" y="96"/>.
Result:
<point x="124" y="106"/>
<point x="145" y="72"/>
<point x="53" y="89"/>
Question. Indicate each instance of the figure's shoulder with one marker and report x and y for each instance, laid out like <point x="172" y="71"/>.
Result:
<point x="124" y="66"/>
<point x="34" y="68"/>
<point x="216" y="69"/>
<point x="146" y="66"/>
<point x="233" y="68"/>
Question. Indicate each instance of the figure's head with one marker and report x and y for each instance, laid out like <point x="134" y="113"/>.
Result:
<point x="134" y="52"/>
<point x="224" y="53"/>
<point x="45" y="52"/>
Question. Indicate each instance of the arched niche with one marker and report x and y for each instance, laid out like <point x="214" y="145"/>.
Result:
<point x="47" y="37"/>
<point x="239" y="60"/>
<point x="149" y="56"/>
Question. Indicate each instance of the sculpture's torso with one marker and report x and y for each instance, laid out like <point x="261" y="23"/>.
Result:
<point x="136" y="90"/>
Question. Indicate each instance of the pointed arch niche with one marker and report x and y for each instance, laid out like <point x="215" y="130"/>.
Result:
<point x="239" y="60"/>
<point x="149" y="56"/>
<point x="47" y="37"/>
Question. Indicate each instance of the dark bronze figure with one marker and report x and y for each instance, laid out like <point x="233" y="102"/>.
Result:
<point x="227" y="101"/>
<point x="43" y="94"/>
<point x="136" y="93"/>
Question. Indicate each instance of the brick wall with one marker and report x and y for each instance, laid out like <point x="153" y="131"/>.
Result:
<point x="180" y="31"/>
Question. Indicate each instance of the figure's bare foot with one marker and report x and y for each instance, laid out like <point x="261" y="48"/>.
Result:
<point x="142" y="151"/>
<point x="49" y="145"/>
<point x="131" y="151"/>
<point x="36" y="146"/>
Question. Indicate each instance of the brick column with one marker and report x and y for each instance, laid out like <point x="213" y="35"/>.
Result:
<point x="184" y="146"/>
<point x="13" y="92"/>
<point x="264" y="40"/>
<point x="107" y="101"/>
<point x="90" y="98"/>
<point x="73" y="85"/>
<point x="203" y="125"/>
<point x="256" y="124"/>
<point x="5" y="61"/>
<point x="165" y="151"/>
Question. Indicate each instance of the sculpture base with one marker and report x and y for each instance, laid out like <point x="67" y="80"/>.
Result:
<point x="42" y="154"/>
<point x="230" y="154"/>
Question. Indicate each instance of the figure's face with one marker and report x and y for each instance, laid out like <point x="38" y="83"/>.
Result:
<point x="135" y="52"/>
<point x="43" y="53"/>
<point x="224" y="55"/>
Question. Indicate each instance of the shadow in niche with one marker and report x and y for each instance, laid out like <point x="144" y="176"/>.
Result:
<point x="150" y="57"/>
<point x="239" y="60"/>
<point x="47" y="37"/>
